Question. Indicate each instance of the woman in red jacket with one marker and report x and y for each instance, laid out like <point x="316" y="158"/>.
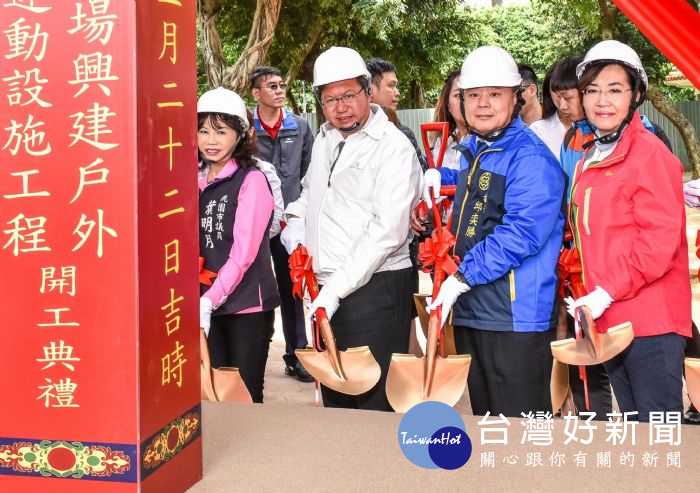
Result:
<point x="628" y="220"/>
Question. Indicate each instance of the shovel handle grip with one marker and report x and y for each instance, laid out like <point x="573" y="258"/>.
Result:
<point x="444" y="130"/>
<point x="312" y="285"/>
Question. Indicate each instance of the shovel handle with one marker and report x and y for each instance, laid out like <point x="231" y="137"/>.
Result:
<point x="444" y="129"/>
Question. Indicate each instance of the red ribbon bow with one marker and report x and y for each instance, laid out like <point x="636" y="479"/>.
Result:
<point x="433" y="253"/>
<point x="206" y="277"/>
<point x="301" y="271"/>
<point x="570" y="270"/>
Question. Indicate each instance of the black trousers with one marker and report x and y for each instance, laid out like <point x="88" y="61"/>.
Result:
<point x="377" y="315"/>
<point x="510" y="371"/>
<point x="292" y="309"/>
<point x="648" y="375"/>
<point x="242" y="341"/>
<point x="599" y="392"/>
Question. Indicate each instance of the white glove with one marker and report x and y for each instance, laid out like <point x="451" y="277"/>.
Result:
<point x="205" y="309"/>
<point x="450" y="290"/>
<point x="293" y="234"/>
<point x="691" y="193"/>
<point x="431" y="178"/>
<point x="325" y="299"/>
<point x="597" y="302"/>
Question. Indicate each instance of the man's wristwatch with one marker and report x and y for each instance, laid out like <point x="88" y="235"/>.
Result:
<point x="460" y="277"/>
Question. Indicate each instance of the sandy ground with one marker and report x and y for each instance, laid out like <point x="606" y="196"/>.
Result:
<point x="281" y="388"/>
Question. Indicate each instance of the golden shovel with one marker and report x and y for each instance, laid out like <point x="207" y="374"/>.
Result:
<point x="413" y="380"/>
<point x="692" y="380"/>
<point x="594" y="348"/>
<point x="220" y="384"/>
<point x="446" y="344"/>
<point x="352" y="372"/>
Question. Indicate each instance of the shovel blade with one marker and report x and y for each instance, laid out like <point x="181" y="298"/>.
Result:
<point x="692" y="380"/>
<point x="559" y="384"/>
<point x="581" y="353"/>
<point x="229" y="386"/>
<point x="420" y="301"/>
<point x="359" y="371"/>
<point x="405" y="385"/>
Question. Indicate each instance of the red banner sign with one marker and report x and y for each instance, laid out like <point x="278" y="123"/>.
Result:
<point x="98" y="246"/>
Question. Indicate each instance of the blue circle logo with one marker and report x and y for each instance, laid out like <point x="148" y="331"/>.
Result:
<point x="432" y="435"/>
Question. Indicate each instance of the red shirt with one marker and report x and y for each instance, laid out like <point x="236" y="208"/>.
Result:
<point x="273" y="130"/>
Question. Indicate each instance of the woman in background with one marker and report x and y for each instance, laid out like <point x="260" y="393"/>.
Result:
<point x="447" y="110"/>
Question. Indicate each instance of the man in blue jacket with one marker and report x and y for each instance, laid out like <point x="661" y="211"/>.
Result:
<point x="508" y="221"/>
<point x="285" y="140"/>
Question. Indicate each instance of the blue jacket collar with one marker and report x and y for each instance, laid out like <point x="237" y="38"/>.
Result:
<point x="288" y="121"/>
<point x="512" y="130"/>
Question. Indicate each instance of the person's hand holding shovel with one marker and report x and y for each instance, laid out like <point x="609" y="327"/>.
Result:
<point x="454" y="286"/>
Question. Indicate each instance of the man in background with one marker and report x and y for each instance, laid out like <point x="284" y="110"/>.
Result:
<point x="532" y="109"/>
<point x="284" y="140"/>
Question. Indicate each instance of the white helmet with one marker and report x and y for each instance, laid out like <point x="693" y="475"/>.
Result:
<point x="221" y="100"/>
<point x="611" y="51"/>
<point x="489" y="66"/>
<point x="338" y="63"/>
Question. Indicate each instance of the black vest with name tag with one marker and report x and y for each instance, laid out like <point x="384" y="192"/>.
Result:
<point x="217" y="211"/>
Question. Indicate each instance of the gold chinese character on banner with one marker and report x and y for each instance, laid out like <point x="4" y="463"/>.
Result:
<point x="63" y="281"/>
<point x="88" y="171"/>
<point x="169" y="41"/>
<point x="93" y="128"/>
<point x="27" y="5"/>
<point x="61" y="392"/>
<point x="23" y="42"/>
<point x="27" y="135"/>
<point x="57" y="319"/>
<point x="29" y="82"/>
<point x="58" y="353"/>
<point x="170" y="145"/>
<point x="176" y="210"/>
<point x="98" y="25"/>
<point x="93" y="68"/>
<point x="85" y="227"/>
<point x="172" y="366"/>
<point x="28" y="232"/>
<point x="172" y="257"/>
<point x="172" y="322"/>
<point x="25" y="186"/>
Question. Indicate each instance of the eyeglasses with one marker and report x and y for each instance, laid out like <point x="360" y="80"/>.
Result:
<point x="346" y="99"/>
<point x="274" y="87"/>
<point x="594" y="93"/>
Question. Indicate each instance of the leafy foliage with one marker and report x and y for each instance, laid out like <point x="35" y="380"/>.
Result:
<point x="427" y="40"/>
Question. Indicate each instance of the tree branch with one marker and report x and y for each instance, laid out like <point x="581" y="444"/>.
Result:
<point x="212" y="52"/>
<point x="262" y="32"/>
<point x="685" y="128"/>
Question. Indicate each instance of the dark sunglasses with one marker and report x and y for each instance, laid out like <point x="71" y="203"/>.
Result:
<point x="274" y="87"/>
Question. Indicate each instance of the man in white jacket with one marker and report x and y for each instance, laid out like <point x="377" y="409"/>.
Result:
<point x="353" y="216"/>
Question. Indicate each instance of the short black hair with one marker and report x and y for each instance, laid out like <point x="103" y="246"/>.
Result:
<point x="377" y="68"/>
<point x="528" y="75"/>
<point x="262" y="71"/>
<point x="563" y="73"/>
<point x="560" y="77"/>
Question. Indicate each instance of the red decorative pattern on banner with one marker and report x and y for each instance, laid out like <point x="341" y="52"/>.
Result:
<point x="173" y="438"/>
